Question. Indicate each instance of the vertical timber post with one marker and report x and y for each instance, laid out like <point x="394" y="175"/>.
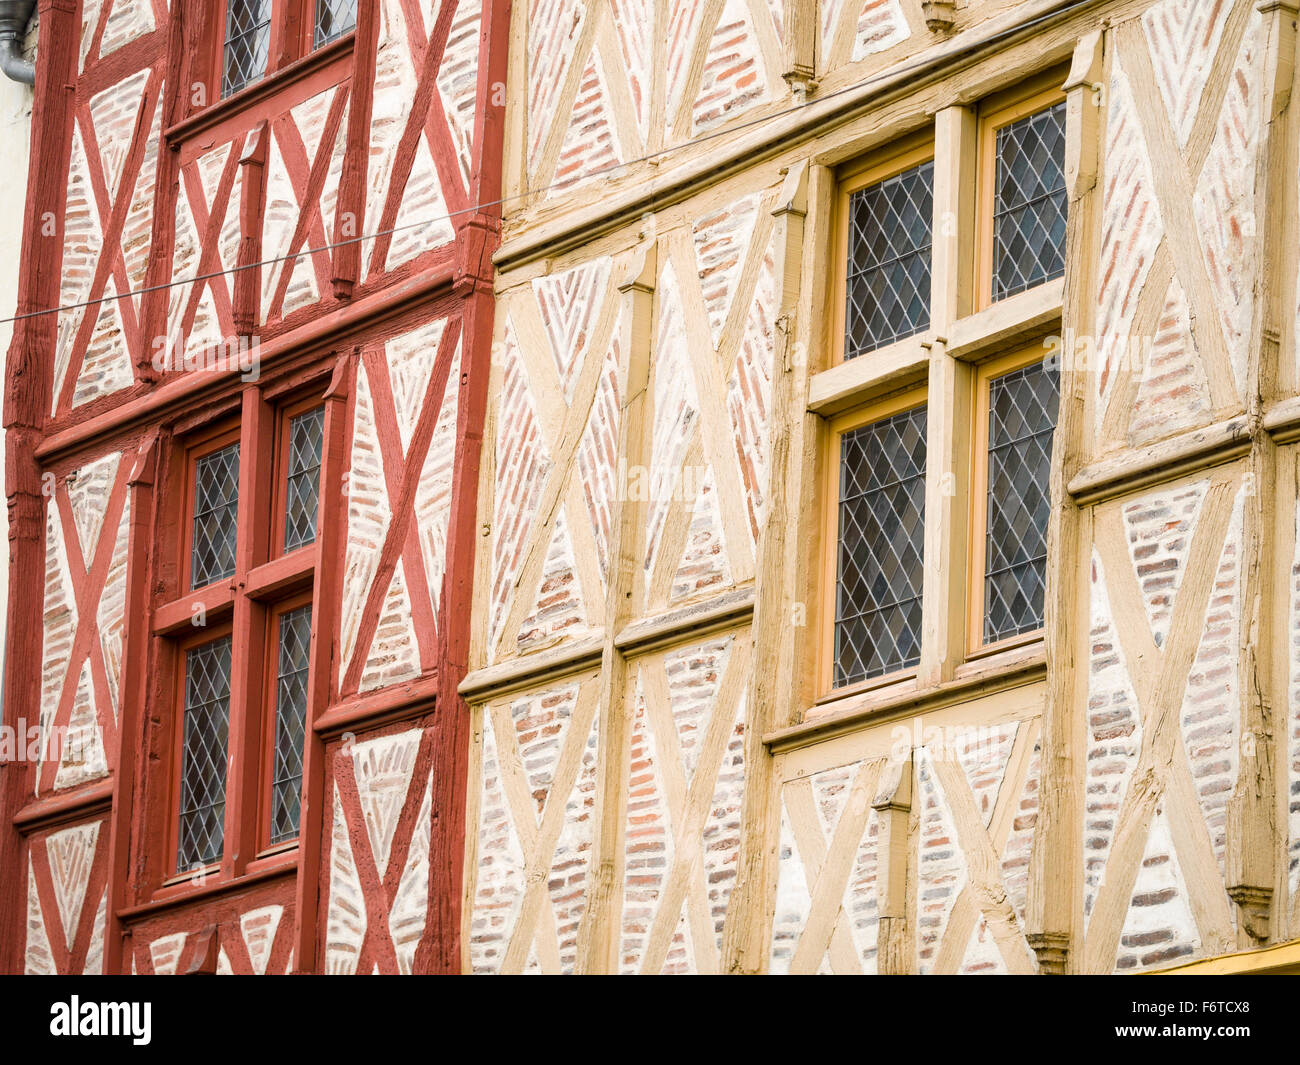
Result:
<point x="1054" y="903"/>
<point x="745" y="937"/>
<point x="1251" y="818"/>
<point x="598" y="935"/>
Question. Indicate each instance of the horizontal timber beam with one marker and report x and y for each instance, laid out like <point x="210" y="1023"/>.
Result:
<point x="1198" y="449"/>
<point x="728" y="610"/>
<point x="880" y="707"/>
<point x="78" y="805"/>
<point x="196" y="385"/>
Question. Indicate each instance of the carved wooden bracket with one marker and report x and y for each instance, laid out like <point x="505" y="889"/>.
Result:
<point x="940" y="15"/>
<point x="1255" y="905"/>
<point x="1052" y="950"/>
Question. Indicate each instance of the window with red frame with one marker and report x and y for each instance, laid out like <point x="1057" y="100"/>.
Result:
<point x="262" y="35"/>
<point x="248" y="560"/>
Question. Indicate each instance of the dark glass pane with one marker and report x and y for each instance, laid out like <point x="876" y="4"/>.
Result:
<point x="302" y="487"/>
<point x="1030" y="206"/>
<point x="888" y="271"/>
<point x="334" y="18"/>
<point x="203" y="755"/>
<point x="216" y="516"/>
<point x="248" y="40"/>
<point x="881" y="547"/>
<point x="1022" y="417"/>
<point x="290" y="723"/>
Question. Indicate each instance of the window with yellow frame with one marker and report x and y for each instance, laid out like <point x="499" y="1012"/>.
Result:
<point x="876" y="472"/>
<point x="1015" y="406"/>
<point x="875" y="539"/>
<point x="1021" y="197"/>
<point x="884" y="236"/>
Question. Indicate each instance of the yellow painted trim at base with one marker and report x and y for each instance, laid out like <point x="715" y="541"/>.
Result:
<point x="1283" y="959"/>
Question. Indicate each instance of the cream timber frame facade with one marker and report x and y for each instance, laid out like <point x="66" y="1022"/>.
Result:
<point x="661" y="779"/>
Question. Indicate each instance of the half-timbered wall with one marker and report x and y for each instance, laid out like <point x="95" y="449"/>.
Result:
<point x="646" y="773"/>
<point x="335" y="221"/>
<point x="1113" y="797"/>
<point x="1183" y="784"/>
<point x="621" y="514"/>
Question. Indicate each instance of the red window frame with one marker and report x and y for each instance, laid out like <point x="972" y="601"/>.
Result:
<point x="218" y="438"/>
<point x="270" y="692"/>
<point x="284" y="421"/>
<point x="246" y="606"/>
<point x="198" y="638"/>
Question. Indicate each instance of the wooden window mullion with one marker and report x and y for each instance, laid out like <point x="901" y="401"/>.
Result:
<point x="984" y="488"/>
<point x="953" y="257"/>
<point x="291" y="27"/>
<point x="249" y="636"/>
<point x="947" y="486"/>
<point x="205" y="41"/>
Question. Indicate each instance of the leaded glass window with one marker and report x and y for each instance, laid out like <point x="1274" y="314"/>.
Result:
<point x="881" y="547"/>
<point x="334" y="18"/>
<point x="1029" y="208"/>
<point x="290" y="723"/>
<point x="887" y="293"/>
<point x="1022" y="417"/>
<point x="216" y="516"/>
<point x="302" y="489"/>
<point x="203" y="755"/>
<point x="248" y="43"/>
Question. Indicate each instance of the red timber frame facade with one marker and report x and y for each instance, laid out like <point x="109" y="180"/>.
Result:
<point x="172" y="198"/>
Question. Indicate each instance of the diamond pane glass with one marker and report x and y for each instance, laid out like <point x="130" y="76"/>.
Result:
<point x="302" y="488"/>
<point x="1022" y="417"/>
<point x="203" y="755"/>
<point x="248" y="41"/>
<point x="334" y="18"/>
<point x="290" y="723"/>
<point x="888" y="271"/>
<point x="1030" y="205"/>
<point x="881" y="547"/>
<point x="216" y="516"/>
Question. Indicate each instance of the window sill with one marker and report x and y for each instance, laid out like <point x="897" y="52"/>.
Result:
<point x="853" y="711"/>
<point x="978" y="655"/>
<point x="273" y="857"/>
<point x="192" y="876"/>
<point x="251" y="95"/>
<point x="284" y="574"/>
<point x="906" y="362"/>
<point x="871" y="376"/>
<point x="900" y="681"/>
<point x="1007" y="322"/>
<point x="180" y="891"/>
<point x="213" y="603"/>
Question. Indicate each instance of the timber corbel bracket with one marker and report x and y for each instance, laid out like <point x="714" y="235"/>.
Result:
<point x="1255" y="905"/>
<point x="940" y="15"/>
<point x="800" y="33"/>
<point x="477" y="240"/>
<point x="1052" y="950"/>
<point x="25" y="497"/>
